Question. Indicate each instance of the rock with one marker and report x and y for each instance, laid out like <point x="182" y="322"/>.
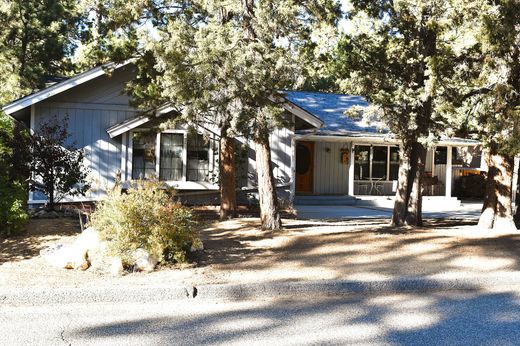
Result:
<point x="89" y="240"/>
<point x="143" y="261"/>
<point x="197" y="246"/>
<point x="116" y="266"/>
<point x="66" y="256"/>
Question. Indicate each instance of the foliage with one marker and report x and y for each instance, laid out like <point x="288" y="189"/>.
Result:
<point x="36" y="42"/>
<point x="145" y="217"/>
<point x="488" y="103"/>
<point x="402" y="56"/>
<point x="13" y="171"/>
<point x="13" y="215"/>
<point x="57" y="165"/>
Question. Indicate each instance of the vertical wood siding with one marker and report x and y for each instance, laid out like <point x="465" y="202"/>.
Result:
<point x="281" y="156"/>
<point x="330" y="175"/>
<point x="87" y="127"/>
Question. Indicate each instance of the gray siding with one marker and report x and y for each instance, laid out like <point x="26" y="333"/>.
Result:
<point x="330" y="175"/>
<point x="87" y="127"/>
<point x="281" y="157"/>
<point x="102" y="90"/>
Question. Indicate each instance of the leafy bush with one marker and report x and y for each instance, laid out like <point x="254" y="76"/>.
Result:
<point x="145" y="217"/>
<point x="14" y="170"/>
<point x="12" y="207"/>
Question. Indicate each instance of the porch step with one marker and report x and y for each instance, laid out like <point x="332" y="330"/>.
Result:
<point x="430" y="203"/>
<point x="342" y="200"/>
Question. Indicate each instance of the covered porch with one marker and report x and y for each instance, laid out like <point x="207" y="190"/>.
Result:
<point x="358" y="167"/>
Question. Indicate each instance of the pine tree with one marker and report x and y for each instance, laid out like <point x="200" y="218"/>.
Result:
<point x="487" y="103"/>
<point x="222" y="62"/>
<point x="402" y="57"/>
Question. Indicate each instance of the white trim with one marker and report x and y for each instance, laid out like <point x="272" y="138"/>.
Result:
<point x="157" y="155"/>
<point x="130" y="154"/>
<point x="302" y="114"/>
<point x="388" y="162"/>
<point x="351" y="171"/>
<point x="32" y="124"/>
<point x="191" y="185"/>
<point x="185" y="157"/>
<point x="515" y="179"/>
<point x="123" y="156"/>
<point x="378" y="140"/>
<point x="449" y="170"/>
<point x="59" y="88"/>
<point x="126" y="126"/>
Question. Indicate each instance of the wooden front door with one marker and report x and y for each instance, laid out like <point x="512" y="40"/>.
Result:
<point x="304" y="167"/>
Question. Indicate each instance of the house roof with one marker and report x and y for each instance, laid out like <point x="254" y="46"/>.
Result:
<point x="59" y="87"/>
<point x="330" y="108"/>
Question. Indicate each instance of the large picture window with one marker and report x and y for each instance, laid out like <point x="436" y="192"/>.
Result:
<point x="174" y="155"/>
<point x="376" y="162"/>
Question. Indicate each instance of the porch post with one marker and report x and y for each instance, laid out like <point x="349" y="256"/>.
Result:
<point x="449" y="170"/>
<point x="515" y="179"/>
<point x="293" y="170"/>
<point x="351" y="171"/>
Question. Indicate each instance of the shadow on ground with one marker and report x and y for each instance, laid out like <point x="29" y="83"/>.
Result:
<point x="449" y="318"/>
<point x="343" y="250"/>
<point x="39" y="234"/>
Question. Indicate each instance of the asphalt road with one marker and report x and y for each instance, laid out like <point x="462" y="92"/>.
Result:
<point x="450" y="318"/>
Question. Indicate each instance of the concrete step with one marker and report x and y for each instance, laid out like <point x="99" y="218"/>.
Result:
<point x="342" y="200"/>
<point x="430" y="203"/>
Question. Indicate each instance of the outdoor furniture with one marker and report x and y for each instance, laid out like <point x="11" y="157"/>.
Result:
<point x="376" y="186"/>
<point x="430" y="185"/>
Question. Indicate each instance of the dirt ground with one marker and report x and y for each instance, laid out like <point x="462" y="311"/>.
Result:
<point x="237" y="251"/>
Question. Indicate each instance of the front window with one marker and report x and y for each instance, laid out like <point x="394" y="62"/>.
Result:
<point x="171" y="160"/>
<point x="198" y="158"/>
<point x="379" y="160"/>
<point x="362" y="162"/>
<point x="373" y="162"/>
<point x="172" y="156"/>
<point x="143" y="155"/>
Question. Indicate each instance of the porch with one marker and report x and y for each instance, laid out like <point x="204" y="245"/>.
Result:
<point x="339" y="167"/>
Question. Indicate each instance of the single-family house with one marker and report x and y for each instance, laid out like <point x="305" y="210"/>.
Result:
<point x="320" y="152"/>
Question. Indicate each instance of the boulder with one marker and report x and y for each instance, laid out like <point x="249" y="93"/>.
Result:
<point x="89" y="240"/>
<point x="143" y="261"/>
<point x="66" y="256"/>
<point x="116" y="266"/>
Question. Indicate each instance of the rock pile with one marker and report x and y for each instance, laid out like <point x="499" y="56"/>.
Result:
<point x="89" y="251"/>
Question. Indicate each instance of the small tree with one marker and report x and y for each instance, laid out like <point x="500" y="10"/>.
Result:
<point x="57" y="166"/>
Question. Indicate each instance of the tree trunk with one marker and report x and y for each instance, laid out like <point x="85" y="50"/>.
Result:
<point x="228" y="202"/>
<point x="487" y="216"/>
<point x="269" y="210"/>
<point x="504" y="212"/>
<point x="497" y="211"/>
<point x="418" y="160"/>
<point x="402" y="195"/>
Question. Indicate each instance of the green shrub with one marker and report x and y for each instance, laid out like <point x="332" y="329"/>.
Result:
<point x="13" y="215"/>
<point x="145" y="217"/>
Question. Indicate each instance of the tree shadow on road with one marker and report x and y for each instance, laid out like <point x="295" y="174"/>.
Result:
<point x="449" y="318"/>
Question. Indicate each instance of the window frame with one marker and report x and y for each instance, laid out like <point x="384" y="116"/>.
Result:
<point x="183" y="183"/>
<point x="370" y="160"/>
